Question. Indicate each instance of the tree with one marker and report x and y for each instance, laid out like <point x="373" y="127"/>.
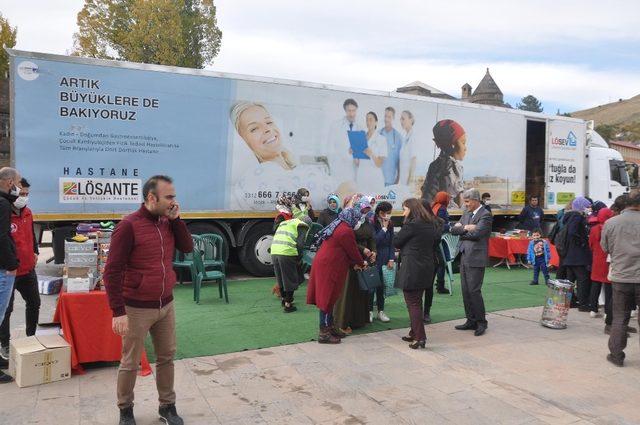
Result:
<point x="168" y="32"/>
<point x="530" y="103"/>
<point x="7" y="39"/>
<point x="607" y="131"/>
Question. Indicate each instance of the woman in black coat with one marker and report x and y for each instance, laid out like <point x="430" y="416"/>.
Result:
<point x="417" y="241"/>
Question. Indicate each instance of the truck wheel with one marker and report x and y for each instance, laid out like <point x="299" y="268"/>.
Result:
<point x="255" y="253"/>
<point x="204" y="228"/>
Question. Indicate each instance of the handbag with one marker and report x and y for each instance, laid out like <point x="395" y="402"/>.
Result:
<point x="369" y="279"/>
<point x="389" y="279"/>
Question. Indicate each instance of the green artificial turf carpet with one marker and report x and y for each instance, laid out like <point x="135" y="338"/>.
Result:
<point x="254" y="319"/>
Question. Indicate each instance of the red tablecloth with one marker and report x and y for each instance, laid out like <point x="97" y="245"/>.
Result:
<point x="500" y="247"/>
<point x="85" y="319"/>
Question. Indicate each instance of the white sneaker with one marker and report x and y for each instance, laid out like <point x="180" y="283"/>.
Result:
<point x="383" y="317"/>
<point x="371" y="317"/>
<point x="593" y="314"/>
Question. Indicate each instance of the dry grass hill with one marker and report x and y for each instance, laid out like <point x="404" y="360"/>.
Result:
<point x="621" y="113"/>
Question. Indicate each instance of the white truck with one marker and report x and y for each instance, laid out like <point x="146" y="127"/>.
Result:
<point x="88" y="132"/>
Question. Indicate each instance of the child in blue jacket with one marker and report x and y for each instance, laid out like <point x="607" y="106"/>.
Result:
<point x="539" y="255"/>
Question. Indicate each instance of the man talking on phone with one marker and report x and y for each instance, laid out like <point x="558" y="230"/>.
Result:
<point x="139" y="280"/>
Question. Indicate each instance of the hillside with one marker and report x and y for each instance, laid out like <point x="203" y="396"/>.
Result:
<point x="623" y="112"/>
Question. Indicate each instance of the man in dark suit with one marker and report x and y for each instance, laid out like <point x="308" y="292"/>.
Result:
<point x="474" y="229"/>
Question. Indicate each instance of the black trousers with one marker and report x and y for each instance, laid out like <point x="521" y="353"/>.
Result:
<point x="594" y="295"/>
<point x="608" y="303"/>
<point x="471" y="279"/>
<point x="582" y="277"/>
<point x="27" y="285"/>
<point x="625" y="298"/>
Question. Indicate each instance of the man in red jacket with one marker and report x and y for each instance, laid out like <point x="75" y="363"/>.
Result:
<point x="26" y="280"/>
<point x="139" y="280"/>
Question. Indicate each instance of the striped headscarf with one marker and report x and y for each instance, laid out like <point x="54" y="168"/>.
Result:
<point x="351" y="216"/>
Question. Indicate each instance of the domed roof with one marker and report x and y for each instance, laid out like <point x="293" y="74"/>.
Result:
<point x="487" y="86"/>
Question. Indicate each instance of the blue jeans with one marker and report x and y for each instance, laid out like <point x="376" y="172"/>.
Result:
<point x="6" y="290"/>
<point x="326" y="319"/>
<point x="540" y="265"/>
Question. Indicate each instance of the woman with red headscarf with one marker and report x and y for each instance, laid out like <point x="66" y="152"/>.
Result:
<point x="445" y="172"/>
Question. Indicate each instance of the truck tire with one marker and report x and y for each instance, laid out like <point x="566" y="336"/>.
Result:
<point x="208" y="228"/>
<point x="255" y="253"/>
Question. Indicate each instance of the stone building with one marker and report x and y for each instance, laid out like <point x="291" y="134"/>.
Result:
<point x="487" y="92"/>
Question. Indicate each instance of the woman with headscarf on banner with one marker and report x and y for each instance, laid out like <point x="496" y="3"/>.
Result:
<point x="439" y="209"/>
<point x="352" y="309"/>
<point x="445" y="173"/>
<point x="277" y="171"/>
<point x="337" y="253"/>
<point x="331" y="212"/>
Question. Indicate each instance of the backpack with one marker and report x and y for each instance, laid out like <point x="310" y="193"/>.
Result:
<point x="561" y="241"/>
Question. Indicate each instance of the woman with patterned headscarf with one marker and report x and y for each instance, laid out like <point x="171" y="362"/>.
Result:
<point x="445" y="172"/>
<point x="352" y="309"/>
<point x="337" y="253"/>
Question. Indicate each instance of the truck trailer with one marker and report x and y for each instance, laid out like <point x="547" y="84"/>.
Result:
<point x="87" y="133"/>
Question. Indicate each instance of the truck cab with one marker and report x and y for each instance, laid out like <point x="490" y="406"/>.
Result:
<point x="606" y="176"/>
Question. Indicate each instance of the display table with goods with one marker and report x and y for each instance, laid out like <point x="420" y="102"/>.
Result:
<point x="83" y="307"/>
<point x="506" y="247"/>
<point x="85" y="320"/>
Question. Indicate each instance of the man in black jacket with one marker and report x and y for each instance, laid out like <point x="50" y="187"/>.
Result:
<point x="9" y="191"/>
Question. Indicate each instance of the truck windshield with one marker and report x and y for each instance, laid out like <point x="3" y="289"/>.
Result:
<point x="619" y="172"/>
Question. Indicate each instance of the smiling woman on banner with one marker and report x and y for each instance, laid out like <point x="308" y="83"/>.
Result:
<point x="278" y="171"/>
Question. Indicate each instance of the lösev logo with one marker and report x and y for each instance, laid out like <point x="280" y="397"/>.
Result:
<point x="28" y="70"/>
<point x="99" y="191"/>
<point x="571" y="141"/>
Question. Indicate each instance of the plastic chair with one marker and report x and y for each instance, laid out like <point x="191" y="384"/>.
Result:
<point x="185" y="261"/>
<point x="452" y="244"/>
<point x="213" y="252"/>
<point x="204" y="275"/>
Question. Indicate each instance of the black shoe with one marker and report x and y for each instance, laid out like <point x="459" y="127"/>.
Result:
<point x="4" y="363"/>
<point x="418" y="344"/>
<point x="427" y="318"/>
<point x="290" y="308"/>
<point x="169" y="415"/>
<point x="442" y="290"/>
<point x="126" y="416"/>
<point x="632" y="330"/>
<point x="467" y="326"/>
<point x="533" y="282"/>
<point x="408" y="338"/>
<point x="482" y="328"/>
<point x="5" y="379"/>
<point x="584" y="309"/>
<point x="617" y="362"/>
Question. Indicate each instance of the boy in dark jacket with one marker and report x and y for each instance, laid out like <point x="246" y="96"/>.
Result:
<point x="539" y="255"/>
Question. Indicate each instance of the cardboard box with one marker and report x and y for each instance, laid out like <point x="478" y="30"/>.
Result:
<point x="48" y="285"/>
<point x="48" y="329"/>
<point x="81" y="259"/>
<point x="80" y="247"/>
<point x="36" y="360"/>
<point x="79" y="284"/>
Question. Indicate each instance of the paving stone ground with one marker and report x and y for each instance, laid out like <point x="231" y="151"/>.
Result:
<point x="517" y="373"/>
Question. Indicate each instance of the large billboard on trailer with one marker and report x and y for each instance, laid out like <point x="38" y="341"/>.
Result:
<point x="87" y="133"/>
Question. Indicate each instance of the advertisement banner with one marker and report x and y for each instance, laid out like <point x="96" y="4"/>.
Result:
<point x="565" y="166"/>
<point x="87" y="136"/>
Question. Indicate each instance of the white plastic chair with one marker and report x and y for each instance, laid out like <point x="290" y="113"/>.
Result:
<point x="452" y="244"/>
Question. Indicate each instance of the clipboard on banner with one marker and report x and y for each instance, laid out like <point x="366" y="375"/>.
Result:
<point x="358" y="143"/>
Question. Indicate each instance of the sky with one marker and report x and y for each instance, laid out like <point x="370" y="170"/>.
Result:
<point x="570" y="54"/>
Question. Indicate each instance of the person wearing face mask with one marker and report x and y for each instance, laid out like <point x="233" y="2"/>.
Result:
<point x="26" y="281"/>
<point x="9" y="193"/>
<point x="352" y="309"/>
<point x="303" y="197"/>
<point x="331" y="212"/>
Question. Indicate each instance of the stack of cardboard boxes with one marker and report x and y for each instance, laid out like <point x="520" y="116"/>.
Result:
<point x="81" y="266"/>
